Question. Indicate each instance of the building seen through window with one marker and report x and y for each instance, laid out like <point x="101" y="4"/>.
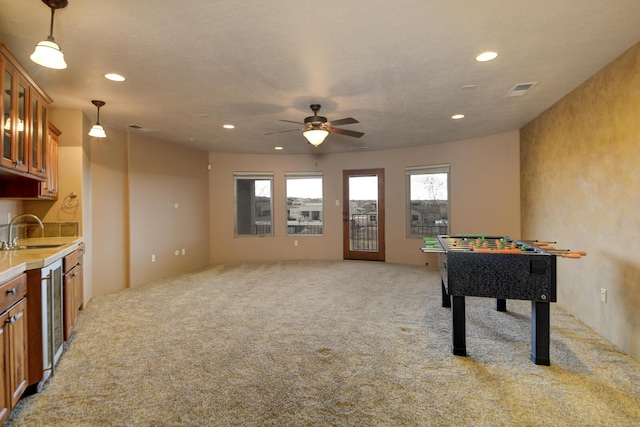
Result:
<point x="428" y="201"/>
<point x="304" y="204"/>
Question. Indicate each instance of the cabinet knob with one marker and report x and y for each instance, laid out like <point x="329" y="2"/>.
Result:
<point x="11" y="320"/>
<point x="12" y="291"/>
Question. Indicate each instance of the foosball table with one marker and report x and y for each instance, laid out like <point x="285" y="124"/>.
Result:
<point x="501" y="268"/>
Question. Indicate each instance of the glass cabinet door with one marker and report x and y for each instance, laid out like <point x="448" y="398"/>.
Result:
<point x="14" y="120"/>
<point x="20" y="159"/>
<point x="39" y="134"/>
<point x="7" y="120"/>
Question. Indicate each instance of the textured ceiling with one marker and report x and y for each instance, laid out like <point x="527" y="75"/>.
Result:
<point x="396" y="66"/>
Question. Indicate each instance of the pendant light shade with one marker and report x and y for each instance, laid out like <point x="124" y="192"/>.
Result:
<point x="7" y="124"/>
<point x="48" y="53"/>
<point x="97" y="131"/>
<point x="315" y="136"/>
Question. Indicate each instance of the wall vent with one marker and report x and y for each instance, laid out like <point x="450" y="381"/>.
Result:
<point x="521" y="89"/>
<point x="140" y="128"/>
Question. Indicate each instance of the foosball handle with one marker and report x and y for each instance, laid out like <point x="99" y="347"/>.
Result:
<point x="571" y="255"/>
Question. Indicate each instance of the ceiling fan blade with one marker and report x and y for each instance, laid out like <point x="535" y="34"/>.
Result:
<point x="283" y="131"/>
<point x="347" y="121"/>
<point x="346" y="132"/>
<point x="291" y="121"/>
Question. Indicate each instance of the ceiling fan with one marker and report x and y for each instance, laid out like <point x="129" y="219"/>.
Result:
<point x="316" y="128"/>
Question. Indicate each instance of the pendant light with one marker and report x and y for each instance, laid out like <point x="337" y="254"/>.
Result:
<point x="48" y="53"/>
<point x="315" y="136"/>
<point x="97" y="130"/>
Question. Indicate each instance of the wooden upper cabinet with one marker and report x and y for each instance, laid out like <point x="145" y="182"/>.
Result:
<point x="49" y="187"/>
<point x="39" y="136"/>
<point x="25" y="122"/>
<point x="15" y="124"/>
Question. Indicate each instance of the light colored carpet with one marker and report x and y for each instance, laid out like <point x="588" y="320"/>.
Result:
<point x="324" y="343"/>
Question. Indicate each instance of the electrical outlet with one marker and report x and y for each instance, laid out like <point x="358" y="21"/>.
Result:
<point x="295" y="243"/>
<point x="603" y="295"/>
<point x="184" y="251"/>
<point x="153" y="258"/>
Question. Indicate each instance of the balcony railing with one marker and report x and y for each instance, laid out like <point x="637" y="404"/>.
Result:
<point x="305" y="229"/>
<point x="428" y="230"/>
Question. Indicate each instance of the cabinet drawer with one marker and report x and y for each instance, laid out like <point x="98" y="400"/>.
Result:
<point x="12" y="291"/>
<point x="73" y="258"/>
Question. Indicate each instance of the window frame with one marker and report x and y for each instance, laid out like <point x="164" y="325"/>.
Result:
<point x="255" y="176"/>
<point x="303" y="175"/>
<point x="426" y="170"/>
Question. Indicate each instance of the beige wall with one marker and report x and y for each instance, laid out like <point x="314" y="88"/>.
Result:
<point x="12" y="207"/>
<point x="135" y="182"/>
<point x="581" y="186"/>
<point x="485" y="194"/>
<point x="124" y="183"/>
<point x="109" y="212"/>
<point x="168" y="207"/>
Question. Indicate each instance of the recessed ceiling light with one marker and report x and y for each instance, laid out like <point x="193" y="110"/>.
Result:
<point x="486" y="56"/>
<point x="115" y="77"/>
<point x="228" y="126"/>
<point x="278" y="148"/>
<point x="457" y="116"/>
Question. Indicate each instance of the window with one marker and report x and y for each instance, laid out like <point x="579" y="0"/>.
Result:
<point x="428" y="200"/>
<point x="253" y="204"/>
<point x="304" y="204"/>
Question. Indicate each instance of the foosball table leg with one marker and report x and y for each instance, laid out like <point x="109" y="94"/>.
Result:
<point x="459" y="342"/>
<point x="540" y="333"/>
<point x="446" y="301"/>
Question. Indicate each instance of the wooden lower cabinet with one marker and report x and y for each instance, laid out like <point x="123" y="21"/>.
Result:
<point x="13" y="344"/>
<point x="73" y="290"/>
<point x="5" y="402"/>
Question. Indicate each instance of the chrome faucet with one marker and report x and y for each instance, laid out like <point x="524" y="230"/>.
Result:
<point x="10" y="243"/>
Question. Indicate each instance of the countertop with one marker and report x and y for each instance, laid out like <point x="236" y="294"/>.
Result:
<point x="15" y="262"/>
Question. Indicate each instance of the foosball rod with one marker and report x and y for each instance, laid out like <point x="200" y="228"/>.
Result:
<point x="538" y="242"/>
<point x="565" y="253"/>
<point x="434" y="250"/>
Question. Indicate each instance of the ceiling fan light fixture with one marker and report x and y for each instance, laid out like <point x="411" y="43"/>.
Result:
<point x="97" y="131"/>
<point x="48" y="53"/>
<point x="315" y="136"/>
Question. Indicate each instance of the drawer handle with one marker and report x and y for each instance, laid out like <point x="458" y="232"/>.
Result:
<point x="11" y="320"/>
<point x="12" y="291"/>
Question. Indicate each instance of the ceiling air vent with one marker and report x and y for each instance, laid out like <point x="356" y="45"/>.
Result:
<point x="140" y="128"/>
<point x="521" y="89"/>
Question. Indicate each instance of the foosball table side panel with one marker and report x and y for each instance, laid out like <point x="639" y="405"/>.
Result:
<point x="505" y="276"/>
